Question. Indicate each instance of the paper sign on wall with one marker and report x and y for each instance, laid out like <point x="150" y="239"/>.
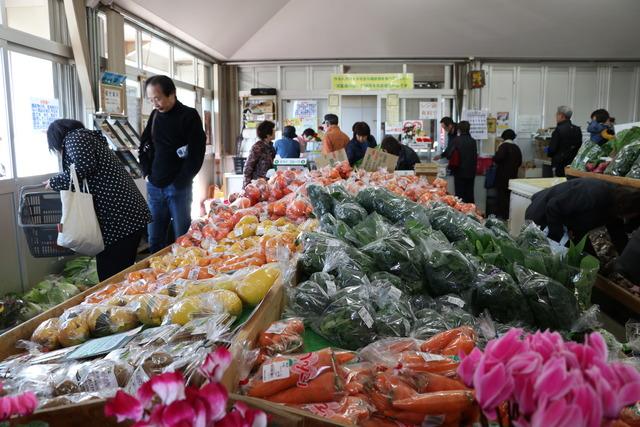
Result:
<point x="429" y="110"/>
<point x="331" y="158"/>
<point x="307" y="113"/>
<point x="502" y="118"/>
<point x="478" y="121"/>
<point x="376" y="159"/>
<point x="44" y="112"/>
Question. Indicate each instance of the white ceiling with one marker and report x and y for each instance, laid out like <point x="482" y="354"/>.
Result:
<point x="240" y="30"/>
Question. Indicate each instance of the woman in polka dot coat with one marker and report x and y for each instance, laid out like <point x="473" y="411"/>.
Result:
<point x="121" y="210"/>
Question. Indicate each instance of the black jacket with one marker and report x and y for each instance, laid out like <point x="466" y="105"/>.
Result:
<point x="508" y="159"/>
<point x="581" y="205"/>
<point x="164" y="134"/>
<point x="628" y="262"/>
<point x="468" y="150"/>
<point x="566" y="140"/>
<point x="407" y="159"/>
<point x="119" y="206"/>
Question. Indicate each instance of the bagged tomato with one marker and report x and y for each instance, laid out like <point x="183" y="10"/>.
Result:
<point x="282" y="337"/>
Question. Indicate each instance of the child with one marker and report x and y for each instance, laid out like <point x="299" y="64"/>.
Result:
<point x="600" y="127"/>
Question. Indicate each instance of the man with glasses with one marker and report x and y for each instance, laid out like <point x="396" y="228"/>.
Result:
<point x="171" y="154"/>
<point x="334" y="139"/>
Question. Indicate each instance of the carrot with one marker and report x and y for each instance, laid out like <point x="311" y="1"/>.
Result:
<point x="439" y="402"/>
<point x="435" y="382"/>
<point x="414" y="361"/>
<point x="463" y="343"/>
<point x="321" y="361"/>
<point x="380" y="401"/>
<point x="324" y="388"/>
<point x="440" y="341"/>
<point x="283" y="342"/>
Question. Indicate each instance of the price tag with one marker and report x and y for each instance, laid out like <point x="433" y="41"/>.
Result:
<point x="100" y="380"/>
<point x="395" y="293"/>
<point x="455" y="301"/>
<point x="276" y="371"/>
<point x="277" y="328"/>
<point x="238" y="232"/>
<point x="428" y="357"/>
<point x="366" y="317"/>
<point x="260" y="231"/>
<point x="331" y="287"/>
<point x="193" y="274"/>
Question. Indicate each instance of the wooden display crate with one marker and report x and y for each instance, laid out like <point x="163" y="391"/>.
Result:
<point x="430" y="170"/>
<point x="618" y="294"/>
<point x="620" y="180"/>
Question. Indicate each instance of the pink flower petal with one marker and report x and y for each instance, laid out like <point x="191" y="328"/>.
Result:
<point x="215" y="395"/>
<point x="525" y="363"/>
<point x="168" y="386"/>
<point x="599" y="346"/>
<point x="468" y="366"/>
<point x="177" y="413"/>
<point x="505" y="347"/>
<point x="5" y="408"/>
<point x="23" y="404"/>
<point x="585" y="397"/>
<point x="216" y="363"/>
<point x="145" y="394"/>
<point x="524" y="394"/>
<point x="628" y="394"/>
<point x="553" y="381"/>
<point x="550" y="415"/>
<point x="493" y="387"/>
<point x="123" y="406"/>
<point x="625" y="373"/>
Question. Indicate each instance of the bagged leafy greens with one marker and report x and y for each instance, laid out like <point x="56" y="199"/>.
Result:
<point x="624" y="160"/>
<point x="372" y="228"/>
<point x="339" y="193"/>
<point x="428" y="323"/>
<point x="497" y="292"/>
<point x="448" y="271"/>
<point x="634" y="172"/>
<point x="320" y="199"/>
<point x="349" y="212"/>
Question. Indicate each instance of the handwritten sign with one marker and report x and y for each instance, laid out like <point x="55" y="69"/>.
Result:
<point x="478" y="121"/>
<point x="374" y="160"/>
<point x="44" y="112"/>
<point x="429" y="110"/>
<point x="331" y="158"/>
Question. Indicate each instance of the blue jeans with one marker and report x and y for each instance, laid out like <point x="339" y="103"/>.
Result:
<point x="166" y="204"/>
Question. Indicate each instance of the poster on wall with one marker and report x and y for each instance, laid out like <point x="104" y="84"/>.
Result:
<point x="502" y="118"/>
<point x="428" y="110"/>
<point x="307" y="113"/>
<point x="478" y="121"/>
<point x="44" y="112"/>
<point x="528" y="123"/>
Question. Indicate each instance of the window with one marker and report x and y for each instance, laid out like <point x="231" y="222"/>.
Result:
<point x="204" y="75"/>
<point x="33" y="108"/>
<point x="186" y="96"/>
<point x="5" y="148"/>
<point x="183" y="66"/>
<point x="30" y="16"/>
<point x="130" y="45"/>
<point x="155" y="54"/>
<point x="134" y="103"/>
<point x="102" y="30"/>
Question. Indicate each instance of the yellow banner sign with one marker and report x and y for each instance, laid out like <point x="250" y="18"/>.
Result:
<point x="389" y="81"/>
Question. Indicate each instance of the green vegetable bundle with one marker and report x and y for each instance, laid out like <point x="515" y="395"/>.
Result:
<point x="624" y="160"/>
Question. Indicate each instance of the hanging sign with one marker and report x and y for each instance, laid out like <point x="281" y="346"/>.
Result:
<point x="478" y="121"/>
<point x="429" y="110"/>
<point x="387" y="81"/>
<point x="44" y="112"/>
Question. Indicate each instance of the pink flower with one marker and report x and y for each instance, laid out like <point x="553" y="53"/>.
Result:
<point x="492" y="386"/>
<point x="22" y="404"/>
<point x="557" y="414"/>
<point x="545" y="343"/>
<point x="524" y="394"/>
<point x="526" y="363"/>
<point x="598" y="345"/>
<point x="123" y="406"/>
<point x="585" y="397"/>
<point x="5" y="408"/>
<point x="468" y="366"/>
<point x="243" y="416"/>
<point x="553" y="382"/>
<point x="168" y="387"/>
<point x="215" y="364"/>
<point x="178" y="413"/>
<point x="213" y="398"/>
<point x="504" y="348"/>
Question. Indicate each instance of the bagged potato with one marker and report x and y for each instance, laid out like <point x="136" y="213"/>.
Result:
<point x="46" y="334"/>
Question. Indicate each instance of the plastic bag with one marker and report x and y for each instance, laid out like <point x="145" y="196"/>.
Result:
<point x="46" y="334"/>
<point x="74" y="328"/>
<point x="202" y="305"/>
<point x="449" y="271"/>
<point x="349" y="212"/>
<point x="429" y="322"/>
<point x="497" y="292"/>
<point x="320" y="199"/>
<point x="634" y="172"/>
<point x="396" y="254"/>
<point x="531" y="238"/>
<point x="340" y="194"/>
<point x="282" y="337"/>
<point x="349" y="410"/>
<point x="624" y="160"/>
<point x="394" y="316"/>
<point x="348" y="321"/>
<point x="104" y="320"/>
<point x="311" y="297"/>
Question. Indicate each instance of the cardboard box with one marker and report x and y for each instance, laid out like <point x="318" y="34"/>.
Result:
<point x="331" y="158"/>
<point x="376" y="159"/>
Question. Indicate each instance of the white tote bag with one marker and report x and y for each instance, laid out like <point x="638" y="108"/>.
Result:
<point x="79" y="228"/>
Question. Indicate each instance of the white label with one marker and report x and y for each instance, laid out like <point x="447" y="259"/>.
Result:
<point x="212" y="271"/>
<point x="366" y="317"/>
<point x="395" y="293"/>
<point x="100" y="380"/>
<point x="428" y="357"/>
<point x="238" y="232"/>
<point x="277" y="328"/>
<point x="331" y="287"/>
<point x="260" y="231"/>
<point x="276" y="371"/>
<point x="193" y="274"/>
<point x="197" y="235"/>
<point x="138" y="378"/>
<point x="455" y="301"/>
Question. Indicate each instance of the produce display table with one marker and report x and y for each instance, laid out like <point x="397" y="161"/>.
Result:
<point x="618" y="294"/>
<point x="620" y="180"/>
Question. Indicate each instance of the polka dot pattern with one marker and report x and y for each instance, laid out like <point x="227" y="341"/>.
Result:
<point x="120" y="208"/>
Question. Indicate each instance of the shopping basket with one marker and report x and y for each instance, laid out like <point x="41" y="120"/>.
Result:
<point x="39" y="214"/>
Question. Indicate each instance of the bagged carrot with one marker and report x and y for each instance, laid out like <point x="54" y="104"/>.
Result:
<point x="437" y="403"/>
<point x="386" y="352"/>
<point x="282" y="337"/>
<point x="439" y="342"/>
<point x="349" y="410"/>
<point x="282" y="372"/>
<point x="326" y="387"/>
<point x="427" y="362"/>
<point x="357" y="377"/>
<point x="428" y="382"/>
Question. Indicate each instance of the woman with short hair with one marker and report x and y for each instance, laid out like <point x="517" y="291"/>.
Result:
<point x="262" y="153"/>
<point x="407" y="158"/>
<point x="120" y="208"/>
<point x="508" y="160"/>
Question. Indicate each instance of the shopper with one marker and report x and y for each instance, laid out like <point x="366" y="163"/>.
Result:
<point x="566" y="140"/>
<point x="120" y="208"/>
<point x="450" y="127"/>
<point x="171" y="154"/>
<point x="288" y="147"/>
<point x="262" y="153"/>
<point x="600" y="128"/>
<point x="357" y="147"/>
<point x="462" y="154"/>
<point x="627" y="263"/>
<point x="508" y="159"/>
<point x="371" y="140"/>
<point x="334" y="139"/>
<point x="407" y="158"/>
<point x="581" y="205"/>
<point x="307" y="136"/>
